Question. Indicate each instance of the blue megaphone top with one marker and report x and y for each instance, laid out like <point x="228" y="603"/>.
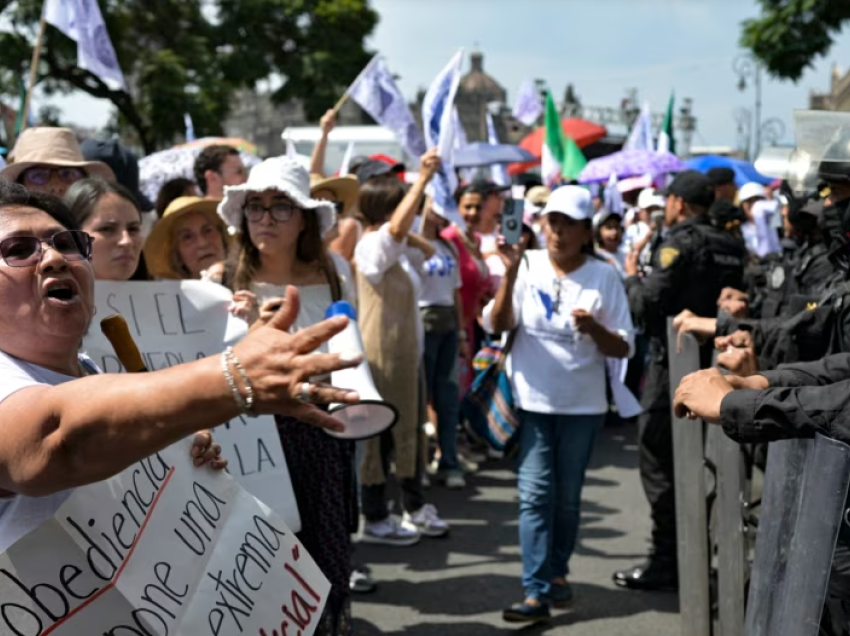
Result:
<point x="341" y="308"/>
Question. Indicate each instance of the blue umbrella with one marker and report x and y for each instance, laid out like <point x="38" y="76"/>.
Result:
<point x="484" y="154"/>
<point x="744" y="170"/>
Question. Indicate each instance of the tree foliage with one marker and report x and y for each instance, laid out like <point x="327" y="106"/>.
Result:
<point x="191" y="56"/>
<point x="790" y="34"/>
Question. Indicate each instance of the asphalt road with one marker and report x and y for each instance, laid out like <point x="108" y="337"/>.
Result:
<point x="457" y="586"/>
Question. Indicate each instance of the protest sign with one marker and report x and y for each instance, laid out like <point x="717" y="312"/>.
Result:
<point x="174" y="322"/>
<point x="161" y="549"/>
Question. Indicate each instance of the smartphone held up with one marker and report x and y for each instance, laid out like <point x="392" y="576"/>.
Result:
<point x="512" y="216"/>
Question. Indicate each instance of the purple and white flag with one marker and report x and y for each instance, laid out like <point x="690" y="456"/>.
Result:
<point x="528" y="107"/>
<point x="640" y="138"/>
<point x="376" y="91"/>
<point x="82" y="21"/>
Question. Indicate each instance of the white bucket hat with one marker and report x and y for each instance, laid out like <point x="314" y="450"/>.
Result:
<point x="284" y="174"/>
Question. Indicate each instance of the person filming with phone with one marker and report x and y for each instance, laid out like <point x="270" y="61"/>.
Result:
<point x="569" y="312"/>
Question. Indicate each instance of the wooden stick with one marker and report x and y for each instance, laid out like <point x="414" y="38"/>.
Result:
<point x="36" y="55"/>
<point x="341" y="101"/>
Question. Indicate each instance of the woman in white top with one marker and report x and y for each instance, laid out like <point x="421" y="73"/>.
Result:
<point x="63" y="425"/>
<point x="608" y="237"/>
<point x="280" y="243"/>
<point x="570" y="312"/>
<point x="388" y="260"/>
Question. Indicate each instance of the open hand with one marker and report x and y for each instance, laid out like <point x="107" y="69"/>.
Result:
<point x="700" y="394"/>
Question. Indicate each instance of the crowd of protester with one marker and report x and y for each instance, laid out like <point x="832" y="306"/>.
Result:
<point x="585" y="287"/>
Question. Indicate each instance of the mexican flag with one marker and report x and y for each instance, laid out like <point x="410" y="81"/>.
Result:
<point x="560" y="156"/>
<point x="666" y="141"/>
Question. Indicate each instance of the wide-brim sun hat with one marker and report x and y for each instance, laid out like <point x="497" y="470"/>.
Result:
<point x="573" y="201"/>
<point x="160" y="242"/>
<point x="285" y="175"/>
<point x="345" y="188"/>
<point x="54" y="147"/>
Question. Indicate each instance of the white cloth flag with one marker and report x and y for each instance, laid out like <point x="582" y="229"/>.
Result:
<point x="437" y="108"/>
<point x="640" y="138"/>
<point x="528" y="107"/>
<point x="190" y="127"/>
<point x="82" y="21"/>
<point x="498" y="171"/>
<point x="460" y="142"/>
<point x="345" y="166"/>
<point x="376" y="91"/>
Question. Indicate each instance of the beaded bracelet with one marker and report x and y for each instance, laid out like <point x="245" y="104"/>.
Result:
<point x="237" y="396"/>
<point x="249" y="388"/>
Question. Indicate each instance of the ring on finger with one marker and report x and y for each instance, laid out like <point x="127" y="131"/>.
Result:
<point x="304" y="394"/>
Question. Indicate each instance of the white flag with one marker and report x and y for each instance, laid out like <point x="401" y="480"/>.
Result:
<point x="640" y="138"/>
<point x="344" y="168"/>
<point x="190" y="127"/>
<point x="528" y="107"/>
<point x="460" y="141"/>
<point x="82" y="21"/>
<point x="498" y="171"/>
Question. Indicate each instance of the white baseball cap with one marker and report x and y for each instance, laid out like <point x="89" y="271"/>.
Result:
<point x="573" y="201"/>
<point x="751" y="190"/>
<point x="648" y="198"/>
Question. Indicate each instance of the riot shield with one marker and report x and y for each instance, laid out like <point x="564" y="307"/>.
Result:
<point x="805" y="490"/>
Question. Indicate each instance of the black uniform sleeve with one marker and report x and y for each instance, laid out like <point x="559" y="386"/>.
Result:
<point x="653" y="297"/>
<point x="749" y="416"/>
<point x="828" y="370"/>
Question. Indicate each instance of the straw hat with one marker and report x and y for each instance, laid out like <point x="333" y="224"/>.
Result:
<point x="345" y="188"/>
<point x="160" y="242"/>
<point x="44" y="146"/>
<point x="278" y="173"/>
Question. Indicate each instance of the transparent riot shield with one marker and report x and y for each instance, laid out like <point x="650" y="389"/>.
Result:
<point x="805" y="492"/>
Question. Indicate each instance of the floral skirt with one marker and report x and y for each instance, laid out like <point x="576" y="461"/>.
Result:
<point x="321" y="469"/>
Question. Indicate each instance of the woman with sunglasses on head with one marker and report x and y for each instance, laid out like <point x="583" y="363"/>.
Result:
<point x="569" y="312"/>
<point x="49" y="160"/>
<point x="280" y="243"/>
<point x="64" y="425"/>
<point x="107" y="212"/>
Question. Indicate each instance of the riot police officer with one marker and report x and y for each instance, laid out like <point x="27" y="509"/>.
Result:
<point x="696" y="261"/>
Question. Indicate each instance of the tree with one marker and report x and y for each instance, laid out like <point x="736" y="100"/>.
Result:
<point x="191" y="56"/>
<point x="790" y="34"/>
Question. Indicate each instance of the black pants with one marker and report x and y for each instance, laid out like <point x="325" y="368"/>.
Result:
<point x="656" y="460"/>
<point x="373" y="499"/>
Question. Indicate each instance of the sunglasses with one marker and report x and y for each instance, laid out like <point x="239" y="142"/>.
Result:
<point x="278" y="211"/>
<point x="24" y="251"/>
<point x="42" y="176"/>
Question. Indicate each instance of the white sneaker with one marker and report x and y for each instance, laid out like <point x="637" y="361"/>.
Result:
<point x="425" y="521"/>
<point x="390" y="532"/>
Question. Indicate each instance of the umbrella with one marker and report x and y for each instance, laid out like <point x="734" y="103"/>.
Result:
<point x="156" y="169"/>
<point x="744" y="170"/>
<point x="630" y="163"/>
<point x="581" y="131"/>
<point x="239" y="143"/>
<point x="484" y="154"/>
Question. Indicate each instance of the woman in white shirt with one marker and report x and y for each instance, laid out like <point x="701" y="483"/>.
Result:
<point x="388" y="260"/>
<point x="570" y="312"/>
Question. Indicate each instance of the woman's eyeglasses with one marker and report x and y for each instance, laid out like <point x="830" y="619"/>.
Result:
<point x="24" y="251"/>
<point x="42" y="176"/>
<point x="281" y="212"/>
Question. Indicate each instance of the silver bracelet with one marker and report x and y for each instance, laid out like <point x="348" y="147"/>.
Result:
<point x="234" y="390"/>
<point x="249" y="388"/>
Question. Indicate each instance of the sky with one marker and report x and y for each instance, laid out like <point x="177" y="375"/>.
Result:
<point x="602" y="47"/>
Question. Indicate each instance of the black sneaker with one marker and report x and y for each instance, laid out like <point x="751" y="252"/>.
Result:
<point x="656" y="575"/>
<point x="526" y="613"/>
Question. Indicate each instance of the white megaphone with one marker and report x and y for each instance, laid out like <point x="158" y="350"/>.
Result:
<point x="371" y="416"/>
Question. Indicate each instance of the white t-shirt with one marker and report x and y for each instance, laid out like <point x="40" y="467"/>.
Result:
<point x="20" y="515"/>
<point x="554" y="368"/>
<point x="378" y="251"/>
<point x="440" y="276"/>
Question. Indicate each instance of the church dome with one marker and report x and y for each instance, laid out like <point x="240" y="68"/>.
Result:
<point x="479" y="84"/>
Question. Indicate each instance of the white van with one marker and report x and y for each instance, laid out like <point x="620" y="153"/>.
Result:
<point x="367" y="140"/>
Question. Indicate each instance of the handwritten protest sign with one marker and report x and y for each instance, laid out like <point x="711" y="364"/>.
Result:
<point x="162" y="549"/>
<point x="174" y="322"/>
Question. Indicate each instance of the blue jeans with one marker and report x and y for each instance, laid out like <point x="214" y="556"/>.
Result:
<point x="554" y="451"/>
<point x="441" y="379"/>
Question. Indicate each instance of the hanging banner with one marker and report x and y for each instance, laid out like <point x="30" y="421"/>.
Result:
<point x="161" y="549"/>
<point x="173" y="322"/>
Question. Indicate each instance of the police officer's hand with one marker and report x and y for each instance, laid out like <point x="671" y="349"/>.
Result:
<point x="688" y="322"/>
<point x="741" y="361"/>
<point x="700" y="394"/>
<point x="739" y="338"/>
<point x="753" y="382"/>
<point x="631" y="266"/>
<point x="734" y="302"/>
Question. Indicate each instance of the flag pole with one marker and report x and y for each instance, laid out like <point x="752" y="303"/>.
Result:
<point x="344" y="97"/>
<point x="36" y="55"/>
